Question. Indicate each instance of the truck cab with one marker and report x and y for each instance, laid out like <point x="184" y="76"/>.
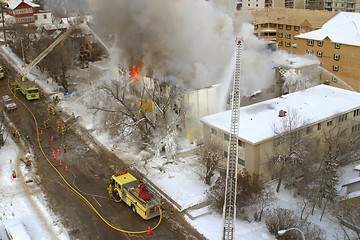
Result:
<point x="141" y="197"/>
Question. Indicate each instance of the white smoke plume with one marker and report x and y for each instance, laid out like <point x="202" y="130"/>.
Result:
<point x="185" y="41"/>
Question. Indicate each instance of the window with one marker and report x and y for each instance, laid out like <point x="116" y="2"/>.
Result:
<point x="336" y="68"/>
<point x="329" y="123"/>
<point x="334" y="79"/>
<point x="214" y="131"/>
<point x="226" y="137"/>
<point x="280" y="34"/>
<point x="45" y="16"/>
<point x="278" y="141"/>
<point x="336" y="57"/>
<point x="309" y="129"/>
<point x="241" y="143"/>
<point x="295" y="37"/>
<point x="248" y="4"/>
<point x="296" y="28"/>
<point x="343" y="117"/>
<point x="35" y="17"/>
<point x="241" y="162"/>
<point x="272" y="25"/>
<point x="319" y="54"/>
<point x="319" y="126"/>
<point x="320" y="43"/>
<point x="280" y="26"/>
<point x="256" y="26"/>
<point x="264" y="25"/>
<point x="280" y="43"/>
<point x="310" y="52"/>
<point x="310" y="42"/>
<point x="257" y="5"/>
<point x="288" y="35"/>
<point x="337" y="45"/>
<point x="356" y="112"/>
<point x="288" y="27"/>
<point x="355" y="128"/>
<point x="288" y="44"/>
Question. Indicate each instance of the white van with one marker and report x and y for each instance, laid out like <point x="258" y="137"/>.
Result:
<point x="16" y="230"/>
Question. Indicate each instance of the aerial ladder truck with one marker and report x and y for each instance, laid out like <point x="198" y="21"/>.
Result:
<point x="229" y="209"/>
<point x="29" y="88"/>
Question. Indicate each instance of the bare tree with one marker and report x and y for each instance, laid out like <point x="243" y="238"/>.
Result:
<point x="22" y="40"/>
<point x="209" y="157"/>
<point x="149" y="111"/>
<point x="292" y="149"/>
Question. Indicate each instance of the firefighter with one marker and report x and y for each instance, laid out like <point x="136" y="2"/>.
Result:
<point x="46" y="123"/>
<point x="110" y="190"/>
<point x="17" y="135"/>
<point x="14" y="174"/>
<point x="63" y="145"/>
<point x="13" y="131"/>
<point x="52" y="110"/>
<point x="73" y="116"/>
<point x="42" y="95"/>
<point x="172" y="210"/>
<point x="63" y="130"/>
<point x="49" y="110"/>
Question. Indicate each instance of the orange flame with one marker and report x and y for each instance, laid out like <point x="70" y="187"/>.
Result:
<point x="134" y="72"/>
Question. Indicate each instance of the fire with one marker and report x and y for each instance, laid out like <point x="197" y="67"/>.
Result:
<point x="134" y="72"/>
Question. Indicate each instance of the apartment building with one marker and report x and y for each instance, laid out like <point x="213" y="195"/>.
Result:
<point x="337" y="47"/>
<point x="321" y="107"/>
<point x="27" y="12"/>
<point x="251" y="4"/>
<point x="282" y="25"/>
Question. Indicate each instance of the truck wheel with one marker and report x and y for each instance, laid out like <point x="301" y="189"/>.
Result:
<point x="116" y="195"/>
<point x="133" y="208"/>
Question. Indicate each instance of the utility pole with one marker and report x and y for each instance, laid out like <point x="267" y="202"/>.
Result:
<point x="3" y="20"/>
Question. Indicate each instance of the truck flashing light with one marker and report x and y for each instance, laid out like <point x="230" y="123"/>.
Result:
<point x="119" y="174"/>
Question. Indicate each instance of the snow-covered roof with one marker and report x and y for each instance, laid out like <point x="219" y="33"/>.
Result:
<point x="14" y="3"/>
<point x="344" y="28"/>
<point x="357" y="168"/>
<point x="294" y="61"/>
<point x="351" y="181"/>
<point x="314" y="104"/>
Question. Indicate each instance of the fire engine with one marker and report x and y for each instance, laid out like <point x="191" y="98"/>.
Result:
<point x="142" y="199"/>
<point x="28" y="88"/>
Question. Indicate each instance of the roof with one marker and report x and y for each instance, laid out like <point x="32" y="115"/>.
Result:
<point x="14" y="3"/>
<point x="124" y="178"/>
<point x="357" y="168"/>
<point x="314" y="104"/>
<point x="351" y="181"/>
<point x="292" y="16"/>
<point x="344" y="28"/>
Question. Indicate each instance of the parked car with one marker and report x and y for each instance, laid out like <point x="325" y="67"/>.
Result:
<point x="8" y="103"/>
<point x="16" y="230"/>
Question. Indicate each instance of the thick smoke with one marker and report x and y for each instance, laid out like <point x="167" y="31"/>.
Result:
<point x="188" y="42"/>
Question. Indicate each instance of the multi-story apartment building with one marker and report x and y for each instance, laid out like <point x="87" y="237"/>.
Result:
<point x="322" y="108"/>
<point x="337" y="47"/>
<point x="251" y="4"/>
<point x="282" y="25"/>
<point x="334" y="5"/>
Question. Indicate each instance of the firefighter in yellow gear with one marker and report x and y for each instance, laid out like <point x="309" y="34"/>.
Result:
<point x="63" y="130"/>
<point x="172" y="210"/>
<point x="13" y="131"/>
<point x="17" y="135"/>
<point x="59" y="122"/>
<point x="110" y="190"/>
<point x="63" y="145"/>
<point x="46" y="123"/>
<point x="49" y="109"/>
<point x="52" y="110"/>
<point x="42" y="95"/>
<point x="73" y="116"/>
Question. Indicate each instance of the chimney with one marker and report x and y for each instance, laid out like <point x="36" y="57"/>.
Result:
<point x="282" y="113"/>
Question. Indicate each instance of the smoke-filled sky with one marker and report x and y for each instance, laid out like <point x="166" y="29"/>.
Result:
<point x="183" y="41"/>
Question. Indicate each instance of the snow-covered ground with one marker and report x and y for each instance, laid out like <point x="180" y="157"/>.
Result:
<point x="181" y="179"/>
<point x="23" y="202"/>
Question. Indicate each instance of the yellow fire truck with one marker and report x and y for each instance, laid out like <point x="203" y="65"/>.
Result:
<point x="28" y="88"/>
<point x="142" y="199"/>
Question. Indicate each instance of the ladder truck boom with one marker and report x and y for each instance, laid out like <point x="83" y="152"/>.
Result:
<point x="229" y="209"/>
<point x="45" y="52"/>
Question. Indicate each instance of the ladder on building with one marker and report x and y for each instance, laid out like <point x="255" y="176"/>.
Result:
<point x="229" y="210"/>
<point x="45" y="52"/>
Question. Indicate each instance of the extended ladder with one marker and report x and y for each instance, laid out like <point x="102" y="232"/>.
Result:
<point x="45" y="52"/>
<point x="229" y="210"/>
